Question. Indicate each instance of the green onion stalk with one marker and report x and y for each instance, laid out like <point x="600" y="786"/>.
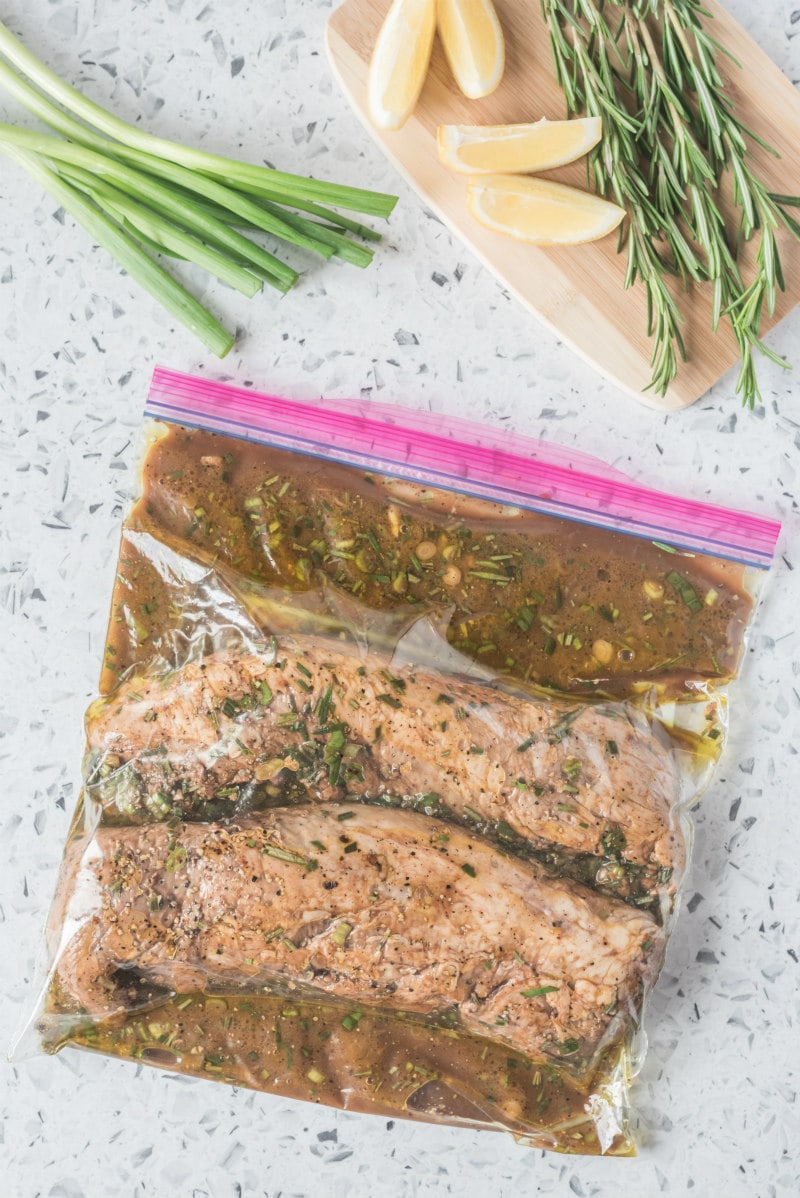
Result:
<point x="138" y="195"/>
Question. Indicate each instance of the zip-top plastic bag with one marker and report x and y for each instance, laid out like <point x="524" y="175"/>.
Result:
<point x="385" y="790"/>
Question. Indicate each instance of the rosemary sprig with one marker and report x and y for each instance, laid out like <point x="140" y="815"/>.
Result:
<point x="649" y="69"/>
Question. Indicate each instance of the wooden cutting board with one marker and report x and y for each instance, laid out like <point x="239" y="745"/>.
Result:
<point x="577" y="291"/>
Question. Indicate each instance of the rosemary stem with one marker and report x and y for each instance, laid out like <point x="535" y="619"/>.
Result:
<point x="670" y="138"/>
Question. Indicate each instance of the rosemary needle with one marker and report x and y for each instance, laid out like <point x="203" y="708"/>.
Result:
<point x="649" y="69"/>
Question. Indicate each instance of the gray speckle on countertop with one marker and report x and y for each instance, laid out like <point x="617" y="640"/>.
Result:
<point x="717" y="1101"/>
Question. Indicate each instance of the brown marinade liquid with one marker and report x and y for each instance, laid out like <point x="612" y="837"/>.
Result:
<point x="535" y="598"/>
<point x="358" y="1059"/>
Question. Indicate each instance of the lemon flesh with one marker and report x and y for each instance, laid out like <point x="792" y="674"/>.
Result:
<point x="540" y="212"/>
<point x="507" y="149"/>
<point x="400" y="62"/>
<point x="473" y="44"/>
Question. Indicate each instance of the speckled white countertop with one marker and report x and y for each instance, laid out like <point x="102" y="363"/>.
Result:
<point x="718" y="1109"/>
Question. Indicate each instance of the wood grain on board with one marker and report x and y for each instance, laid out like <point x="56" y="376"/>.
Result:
<point x="578" y="291"/>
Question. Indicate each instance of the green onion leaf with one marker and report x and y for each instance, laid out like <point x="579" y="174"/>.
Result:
<point x="139" y="265"/>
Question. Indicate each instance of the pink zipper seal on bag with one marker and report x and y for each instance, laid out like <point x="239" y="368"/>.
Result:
<point x="459" y="455"/>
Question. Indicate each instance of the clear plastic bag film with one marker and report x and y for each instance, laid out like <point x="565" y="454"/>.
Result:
<point x="384" y="791"/>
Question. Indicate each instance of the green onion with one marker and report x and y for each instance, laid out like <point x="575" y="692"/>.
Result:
<point x="139" y="265"/>
<point x="536" y="991"/>
<point x="136" y="194"/>
<point x="267" y="181"/>
<point x="165" y="236"/>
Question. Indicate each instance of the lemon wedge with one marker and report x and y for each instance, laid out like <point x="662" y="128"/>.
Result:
<point x="507" y="149"/>
<point x="540" y="212"/>
<point x="400" y="62"/>
<point x="473" y="44"/>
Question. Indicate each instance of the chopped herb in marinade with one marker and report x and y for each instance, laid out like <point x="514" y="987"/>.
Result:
<point x="686" y="591"/>
<point x="569" y="1047"/>
<point x="272" y="850"/>
<point x="340" y="933"/>
<point x="525" y="618"/>
<point x="537" y="991"/>
<point x="613" y="841"/>
<point x="336" y="742"/>
<point x="176" y="858"/>
<point x="324" y="704"/>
